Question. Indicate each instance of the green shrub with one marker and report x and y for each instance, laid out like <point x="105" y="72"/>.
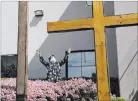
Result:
<point x="117" y="99"/>
<point x="112" y="99"/>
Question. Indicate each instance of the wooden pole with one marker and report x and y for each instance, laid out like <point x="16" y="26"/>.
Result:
<point x="22" y="65"/>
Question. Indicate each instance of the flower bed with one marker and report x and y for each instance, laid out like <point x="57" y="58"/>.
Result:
<point x="40" y="90"/>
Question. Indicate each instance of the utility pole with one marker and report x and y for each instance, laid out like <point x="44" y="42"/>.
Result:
<point x="22" y="65"/>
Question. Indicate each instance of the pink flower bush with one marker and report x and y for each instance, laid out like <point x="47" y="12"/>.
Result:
<point x="39" y="90"/>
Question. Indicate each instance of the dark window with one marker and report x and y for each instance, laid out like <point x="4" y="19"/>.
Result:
<point x="8" y="65"/>
<point x="81" y="64"/>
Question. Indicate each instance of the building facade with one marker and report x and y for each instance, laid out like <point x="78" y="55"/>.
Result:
<point x="121" y="42"/>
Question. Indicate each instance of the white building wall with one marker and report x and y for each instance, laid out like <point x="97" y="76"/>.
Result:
<point x="9" y="27"/>
<point x="38" y="26"/>
<point x="38" y="36"/>
<point x="58" y="43"/>
<point x="127" y="38"/>
<point x="0" y="25"/>
<point x="55" y="43"/>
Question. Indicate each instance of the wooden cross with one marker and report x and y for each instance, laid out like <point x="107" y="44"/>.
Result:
<point x="98" y="23"/>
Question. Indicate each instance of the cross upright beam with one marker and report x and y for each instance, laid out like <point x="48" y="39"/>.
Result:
<point x="100" y="48"/>
<point x="98" y="23"/>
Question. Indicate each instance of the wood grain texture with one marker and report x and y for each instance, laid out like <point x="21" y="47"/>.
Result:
<point x="22" y="65"/>
<point x="70" y="25"/>
<point x="126" y="19"/>
<point x="100" y="48"/>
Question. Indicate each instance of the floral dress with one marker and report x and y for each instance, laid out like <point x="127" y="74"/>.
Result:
<point x="54" y="69"/>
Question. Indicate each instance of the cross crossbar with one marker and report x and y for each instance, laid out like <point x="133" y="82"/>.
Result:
<point x="87" y="23"/>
